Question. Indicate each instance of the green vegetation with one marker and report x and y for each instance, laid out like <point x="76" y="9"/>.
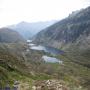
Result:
<point x="14" y="67"/>
<point x="72" y="35"/>
<point x="76" y="73"/>
<point x="18" y="63"/>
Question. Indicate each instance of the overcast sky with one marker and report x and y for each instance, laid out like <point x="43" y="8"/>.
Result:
<point x="14" y="11"/>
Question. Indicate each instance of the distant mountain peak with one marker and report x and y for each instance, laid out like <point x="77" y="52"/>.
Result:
<point x="27" y="30"/>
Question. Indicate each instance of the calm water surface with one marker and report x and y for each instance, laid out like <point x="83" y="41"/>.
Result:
<point x="47" y="49"/>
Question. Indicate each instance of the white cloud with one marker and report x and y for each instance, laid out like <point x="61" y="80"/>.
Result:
<point x="14" y="11"/>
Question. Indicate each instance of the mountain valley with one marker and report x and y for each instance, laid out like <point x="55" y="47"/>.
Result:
<point x="65" y="45"/>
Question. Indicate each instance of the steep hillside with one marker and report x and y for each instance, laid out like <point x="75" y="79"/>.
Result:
<point x="12" y="65"/>
<point x="27" y="67"/>
<point x="27" y="30"/>
<point x="72" y="35"/>
<point x="73" y="29"/>
<point x="10" y="36"/>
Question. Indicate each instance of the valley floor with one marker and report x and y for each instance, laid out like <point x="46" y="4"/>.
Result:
<point x="26" y="70"/>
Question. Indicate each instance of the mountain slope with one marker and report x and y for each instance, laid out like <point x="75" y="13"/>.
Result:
<point x="67" y="31"/>
<point x="9" y="36"/>
<point x="71" y="34"/>
<point x="29" y="29"/>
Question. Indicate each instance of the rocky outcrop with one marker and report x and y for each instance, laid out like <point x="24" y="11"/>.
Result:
<point x="49" y="85"/>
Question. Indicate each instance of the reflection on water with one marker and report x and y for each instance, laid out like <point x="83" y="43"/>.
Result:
<point x="38" y="48"/>
<point x="50" y="50"/>
<point x="31" y="44"/>
<point x="46" y="49"/>
<point x="51" y="59"/>
<point x="29" y="41"/>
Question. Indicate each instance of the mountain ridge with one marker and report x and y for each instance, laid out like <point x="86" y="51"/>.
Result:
<point x="72" y="35"/>
<point x="67" y="30"/>
<point x="9" y="36"/>
<point x="28" y="30"/>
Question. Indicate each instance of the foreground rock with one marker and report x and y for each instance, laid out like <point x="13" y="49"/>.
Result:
<point x="49" y="85"/>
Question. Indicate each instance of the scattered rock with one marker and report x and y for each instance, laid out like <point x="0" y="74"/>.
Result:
<point x="49" y="85"/>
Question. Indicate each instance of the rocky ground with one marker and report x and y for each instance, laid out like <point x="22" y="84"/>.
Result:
<point x="40" y="85"/>
<point x="49" y="85"/>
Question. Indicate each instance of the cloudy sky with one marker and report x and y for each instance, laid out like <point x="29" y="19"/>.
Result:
<point x="14" y="11"/>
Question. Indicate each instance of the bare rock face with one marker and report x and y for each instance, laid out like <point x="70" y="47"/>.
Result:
<point x="49" y="85"/>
